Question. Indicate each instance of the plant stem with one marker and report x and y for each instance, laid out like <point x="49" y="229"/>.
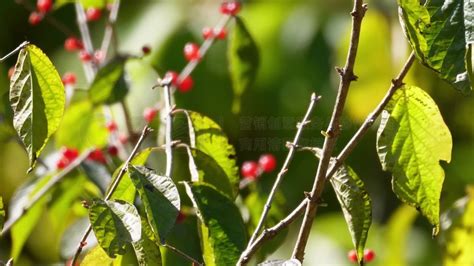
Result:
<point x="168" y="127"/>
<point x="271" y="232"/>
<point x="112" y="188"/>
<point x="21" y="46"/>
<point x="182" y="254"/>
<point x="109" y="34"/>
<point x="128" y="122"/>
<point x="89" y="68"/>
<point x="332" y="133"/>
<point x="45" y="189"/>
<point x="284" y="168"/>
<point x="369" y="121"/>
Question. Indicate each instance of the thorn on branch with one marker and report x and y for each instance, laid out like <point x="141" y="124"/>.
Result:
<point x="397" y="83"/>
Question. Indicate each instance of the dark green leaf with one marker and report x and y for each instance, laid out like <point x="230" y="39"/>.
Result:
<point x="109" y="84"/>
<point x="83" y="127"/>
<point x="206" y="136"/>
<point x="440" y="39"/>
<point x="147" y="252"/>
<point x="37" y="99"/>
<point x="411" y="140"/>
<point x="2" y="215"/>
<point x="458" y="232"/>
<point x="243" y="59"/>
<point x="223" y="234"/>
<point x="160" y="198"/>
<point x="115" y="224"/>
<point x="356" y="206"/>
<point x="126" y="190"/>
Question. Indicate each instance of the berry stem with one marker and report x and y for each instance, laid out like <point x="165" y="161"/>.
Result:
<point x="90" y="69"/>
<point x="110" y="36"/>
<point x="182" y="254"/>
<point x="292" y="149"/>
<point x="112" y="189"/>
<point x="45" y="189"/>
<point x="21" y="46"/>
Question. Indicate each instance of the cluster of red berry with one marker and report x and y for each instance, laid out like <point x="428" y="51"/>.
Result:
<point x="192" y="51"/>
<point x="45" y="6"/>
<point x="251" y="170"/>
<point x="68" y="155"/>
<point x="369" y="255"/>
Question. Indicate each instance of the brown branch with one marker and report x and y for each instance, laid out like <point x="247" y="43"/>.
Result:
<point x="332" y="133"/>
<point x="283" y="169"/>
<point x="111" y="190"/>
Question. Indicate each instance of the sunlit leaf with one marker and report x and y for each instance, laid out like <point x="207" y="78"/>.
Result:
<point x="411" y="141"/>
<point x="115" y="224"/>
<point x="457" y="226"/>
<point x="208" y="137"/>
<point x="356" y="205"/>
<point x="147" y="252"/>
<point x="126" y="190"/>
<point x="109" y="84"/>
<point x="440" y="39"/>
<point x="97" y="256"/>
<point x="160" y="198"/>
<point x="83" y="127"/>
<point x="37" y="99"/>
<point x="398" y="227"/>
<point x="243" y="59"/>
<point x="222" y="230"/>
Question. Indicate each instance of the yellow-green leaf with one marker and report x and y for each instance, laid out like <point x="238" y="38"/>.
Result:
<point x="243" y="61"/>
<point x="2" y="215"/>
<point x="458" y="232"/>
<point x="411" y="141"/>
<point x="37" y="99"/>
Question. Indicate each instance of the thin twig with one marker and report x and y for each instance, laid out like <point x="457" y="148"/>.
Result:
<point x="166" y="83"/>
<point x="89" y="68"/>
<point x="182" y="254"/>
<point x="109" y="34"/>
<point x="284" y="168"/>
<point x="21" y="46"/>
<point x="45" y="189"/>
<point x="111" y="190"/>
<point x="271" y="232"/>
<point x="128" y="122"/>
<point x="361" y="132"/>
<point x="332" y="133"/>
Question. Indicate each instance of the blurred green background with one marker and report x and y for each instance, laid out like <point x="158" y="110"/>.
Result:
<point x="300" y="43"/>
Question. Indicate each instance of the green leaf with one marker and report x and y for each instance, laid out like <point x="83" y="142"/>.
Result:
<point x="206" y="136"/>
<point x="109" y="84"/>
<point x="411" y="140"/>
<point x="37" y="99"/>
<point x="457" y="230"/>
<point x="147" y="252"/>
<point x="469" y="21"/>
<point x="440" y="40"/>
<point x="396" y="235"/>
<point x="243" y="59"/>
<point x="126" y="190"/>
<point x="356" y="206"/>
<point x="83" y="127"/>
<point x="115" y="224"/>
<point x="223" y="234"/>
<point x="2" y="215"/>
<point x="160" y="198"/>
<point x="101" y="4"/>
<point x="97" y="256"/>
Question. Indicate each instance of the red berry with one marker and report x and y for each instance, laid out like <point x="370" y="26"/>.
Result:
<point x="149" y="114"/>
<point x="93" y="14"/>
<point x="123" y="138"/>
<point x="181" y="217"/>
<point x="112" y="150"/>
<point x="85" y="56"/>
<point x="146" y="50"/>
<point x="250" y="170"/>
<point x="174" y="77"/>
<point x="62" y="163"/>
<point x="352" y="256"/>
<point x="11" y="71"/>
<point x="69" y="153"/>
<point x="267" y="162"/>
<point x="369" y="255"/>
<point x="69" y="79"/>
<point x="111" y="126"/>
<point x="191" y="52"/>
<point x="98" y="156"/>
<point x="230" y="8"/>
<point x="186" y="84"/>
<point x="99" y="56"/>
<point x="35" y="18"/>
<point x="73" y="44"/>
<point x="221" y="34"/>
<point x="207" y="33"/>
<point x="44" y="6"/>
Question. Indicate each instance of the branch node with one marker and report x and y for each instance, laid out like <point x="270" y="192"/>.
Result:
<point x="307" y="195"/>
<point x="340" y="71"/>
